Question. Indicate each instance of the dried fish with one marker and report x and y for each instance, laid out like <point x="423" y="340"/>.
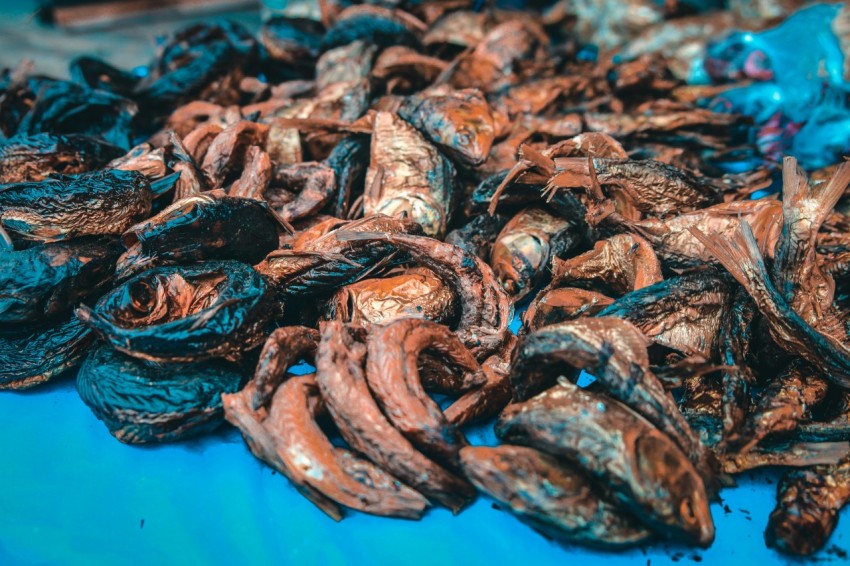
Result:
<point x="47" y="280"/>
<point x="645" y="470"/>
<point x="408" y="177"/>
<point x="417" y="293"/>
<point x="551" y="496"/>
<point x="288" y="438"/>
<point x="808" y="502"/>
<point x="617" y="266"/>
<point x="207" y="226"/>
<point x="526" y="247"/>
<point x="459" y="121"/>
<point x="784" y="403"/>
<point x="32" y="354"/>
<point x="741" y="257"/>
<point x="64" y="207"/>
<point x="342" y="382"/>
<point x="141" y="404"/>
<point x="684" y="313"/>
<point x="485" y="309"/>
<point x="179" y="314"/>
<point x="393" y="377"/>
<point x="34" y="158"/>
<point x="615" y="352"/>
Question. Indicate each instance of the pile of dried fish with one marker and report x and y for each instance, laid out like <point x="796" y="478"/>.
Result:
<point x="372" y="192"/>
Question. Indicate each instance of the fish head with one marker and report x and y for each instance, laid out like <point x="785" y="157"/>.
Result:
<point x="420" y="208"/>
<point x="515" y="260"/>
<point x="660" y="464"/>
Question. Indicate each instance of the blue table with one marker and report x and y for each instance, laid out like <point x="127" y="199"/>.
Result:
<point x="73" y="494"/>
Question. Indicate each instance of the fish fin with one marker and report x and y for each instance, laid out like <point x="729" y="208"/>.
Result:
<point x="6" y="244"/>
<point x="829" y="193"/>
<point x="518" y="169"/>
<point x="164" y="184"/>
<point x="739" y="254"/>
<point x="351" y="236"/>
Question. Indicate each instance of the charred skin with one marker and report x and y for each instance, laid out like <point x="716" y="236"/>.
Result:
<point x="551" y="496"/>
<point x="349" y="161"/>
<point x="416" y="293"/>
<point x="615" y="352"/>
<point x="476" y="236"/>
<point x="289" y="439"/>
<point x="393" y="377"/>
<point x="61" y="208"/>
<point x="209" y="226"/>
<point x="48" y="280"/>
<point x="323" y="264"/>
<point x="485" y="309"/>
<point x="32" y="354"/>
<point x="683" y="313"/>
<point x="142" y="404"/>
<point x="34" y="158"/>
<point x="342" y="381"/>
<point x="182" y="314"/>
<point x="736" y="334"/>
<point x="526" y="246"/>
<point x="645" y="470"/>
<point x="808" y="502"/>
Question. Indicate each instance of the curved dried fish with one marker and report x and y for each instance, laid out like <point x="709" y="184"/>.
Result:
<point x="141" y="403"/>
<point x="288" y="438"/>
<point x="190" y="313"/>
<point x="551" y="496"/>
<point x="393" y="377"/>
<point x="341" y="379"/>
<point x="645" y="470"/>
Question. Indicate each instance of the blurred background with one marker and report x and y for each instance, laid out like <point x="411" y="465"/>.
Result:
<point x="50" y="33"/>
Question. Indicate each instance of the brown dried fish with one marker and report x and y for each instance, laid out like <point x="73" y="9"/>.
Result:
<point x="615" y="352"/>
<point x="616" y="266"/>
<point x="784" y="403"/>
<point x="560" y="305"/>
<point x="741" y="257"/>
<point x="527" y="245"/>
<point x="485" y="309"/>
<point x="645" y="470"/>
<point x="342" y="382"/>
<point x="407" y="176"/>
<point x="684" y="313"/>
<point x="416" y="293"/>
<point x="551" y="496"/>
<point x="393" y="376"/>
<point x="288" y="438"/>
<point x="808" y="502"/>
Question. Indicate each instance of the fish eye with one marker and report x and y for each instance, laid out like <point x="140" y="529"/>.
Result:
<point x="686" y="510"/>
<point x="141" y="296"/>
<point x="463" y="137"/>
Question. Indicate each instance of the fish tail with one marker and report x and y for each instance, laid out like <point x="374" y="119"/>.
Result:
<point x="796" y="189"/>
<point x="739" y="254"/>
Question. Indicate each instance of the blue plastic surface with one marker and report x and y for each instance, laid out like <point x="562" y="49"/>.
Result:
<point x="72" y="494"/>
